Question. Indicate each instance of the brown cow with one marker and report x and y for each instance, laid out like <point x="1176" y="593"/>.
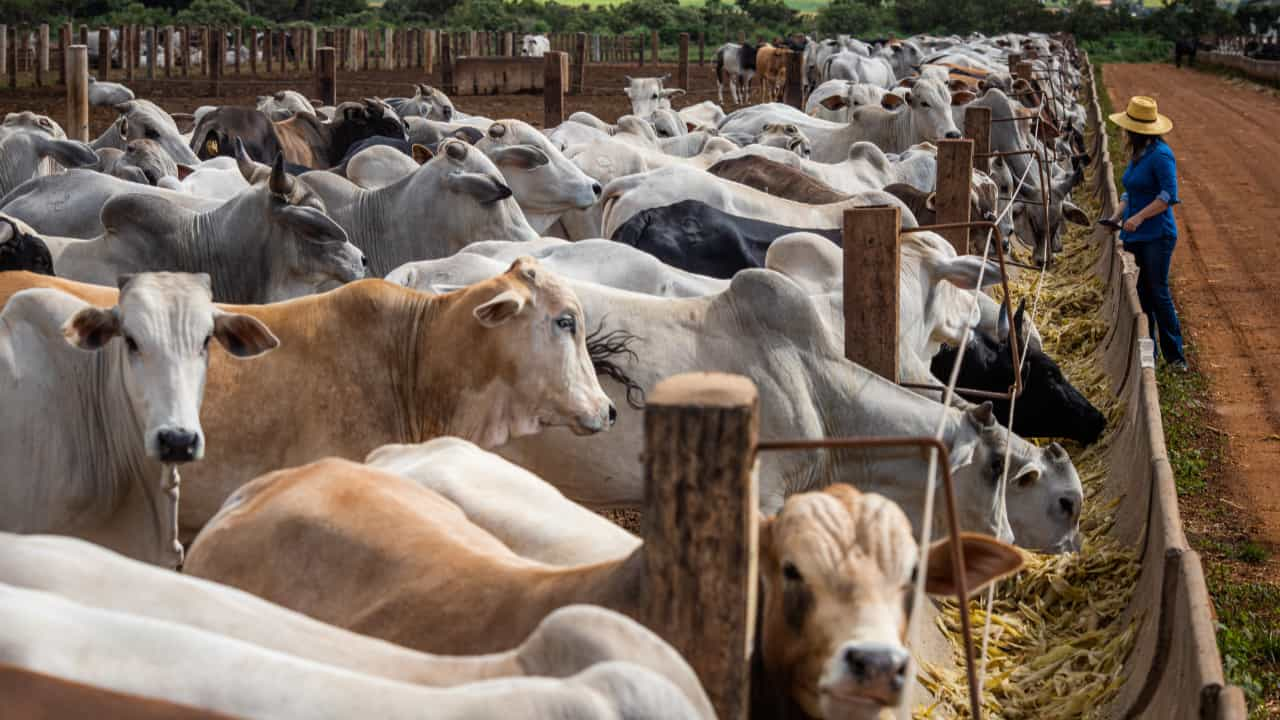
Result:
<point x="372" y="363"/>
<point x="771" y="67"/>
<point x="310" y="142"/>
<point x="776" y="179"/>
<point x="384" y="556"/>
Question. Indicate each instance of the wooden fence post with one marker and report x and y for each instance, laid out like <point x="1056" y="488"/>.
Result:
<point x="1025" y="70"/>
<point x="169" y="57"/>
<point x="951" y="194"/>
<point x="237" y="37"/>
<point x="153" y="51"/>
<point x="78" y="93"/>
<point x="12" y="34"/>
<point x="184" y="47"/>
<point x="871" y="285"/>
<point x="701" y="527"/>
<point x="977" y="127"/>
<point x="206" y="57"/>
<point x="555" y="77"/>
<point x="216" y="59"/>
<point x="126" y="52"/>
<point x="579" y="66"/>
<point x="312" y="35"/>
<point x="4" y="49"/>
<point x="253" y="50"/>
<point x="429" y="51"/>
<point x="793" y="94"/>
<point x="742" y="37"/>
<point x="84" y="35"/>
<point x="702" y="47"/>
<point x="682" y="70"/>
<point x="640" y="43"/>
<point x="388" y="49"/>
<point x="446" y="62"/>
<point x="327" y="75"/>
<point x="42" y="54"/>
<point x="626" y="48"/>
<point x="104" y="53"/>
<point x="1014" y="59"/>
<point x="653" y="47"/>
<point x="64" y="48"/>
<point x="268" y="49"/>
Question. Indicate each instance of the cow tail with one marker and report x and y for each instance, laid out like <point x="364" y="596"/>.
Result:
<point x="720" y="65"/>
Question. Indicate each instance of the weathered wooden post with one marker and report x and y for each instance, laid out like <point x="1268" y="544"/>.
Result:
<point x="793" y="95"/>
<point x="153" y="52"/>
<point x="951" y="194"/>
<point x="555" y="77"/>
<point x="429" y="51"/>
<point x="268" y="49"/>
<point x="388" y="49"/>
<point x="24" y="48"/>
<point x="206" y="57"/>
<point x="169" y="57"/>
<point x="1025" y="70"/>
<point x="701" y="526"/>
<point x="446" y="62"/>
<point x="42" y="54"/>
<point x="653" y="47"/>
<point x="626" y="48"/>
<point x="871" y="284"/>
<point x="253" y="50"/>
<point x="702" y="47"/>
<point x="4" y="49"/>
<point x="104" y="53"/>
<point x="312" y="35"/>
<point x="977" y="127"/>
<point x="327" y="75"/>
<point x="84" y="35"/>
<point x="216" y="58"/>
<point x="12" y="34"/>
<point x="184" y="47"/>
<point x="78" y="93"/>
<point x="682" y="69"/>
<point x="742" y="37"/>
<point x="1014" y="59"/>
<point x="579" y="66"/>
<point x="640" y="43"/>
<point x="237" y="37"/>
<point x="126" y="52"/>
<point x="64" y="48"/>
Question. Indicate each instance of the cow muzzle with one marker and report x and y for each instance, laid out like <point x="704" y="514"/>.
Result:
<point x="178" y="445"/>
<point x="599" y="422"/>
<point x="869" y="674"/>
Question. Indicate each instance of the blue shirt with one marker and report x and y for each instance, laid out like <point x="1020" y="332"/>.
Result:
<point x="1150" y="176"/>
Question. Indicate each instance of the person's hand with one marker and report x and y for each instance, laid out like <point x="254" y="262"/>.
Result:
<point x="1132" y="224"/>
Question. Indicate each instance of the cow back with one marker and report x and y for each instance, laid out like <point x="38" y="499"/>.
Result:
<point x="776" y="179"/>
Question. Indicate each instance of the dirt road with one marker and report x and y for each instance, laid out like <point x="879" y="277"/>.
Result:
<point x="1226" y="269"/>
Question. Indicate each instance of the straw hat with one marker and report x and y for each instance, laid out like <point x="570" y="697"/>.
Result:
<point x="1141" y="117"/>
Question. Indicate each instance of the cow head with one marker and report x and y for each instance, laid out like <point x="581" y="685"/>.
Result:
<point x="836" y="570"/>
<point x="1050" y="405"/>
<point x="142" y="119"/>
<point x="543" y="181"/>
<point x="930" y="104"/>
<point x="787" y="136"/>
<point x="31" y="121"/>
<point x="532" y="346"/>
<point x="150" y="159"/>
<point x="21" y="248"/>
<point x="356" y="121"/>
<point x="30" y="153"/>
<point x="479" y="200"/>
<point x="648" y="94"/>
<point x="430" y="103"/>
<point x="284" y="104"/>
<point x="163" y="325"/>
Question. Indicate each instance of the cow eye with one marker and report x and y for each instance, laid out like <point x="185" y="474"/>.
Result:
<point x="130" y="343"/>
<point x="207" y="339"/>
<point x="567" y="323"/>
<point x="924" y="104"/>
<point x="790" y="572"/>
<point x="152" y="134"/>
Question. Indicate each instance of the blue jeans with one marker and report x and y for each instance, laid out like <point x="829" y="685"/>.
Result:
<point x="1153" y="258"/>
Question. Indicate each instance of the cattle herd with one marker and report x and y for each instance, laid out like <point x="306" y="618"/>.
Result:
<point x="360" y="371"/>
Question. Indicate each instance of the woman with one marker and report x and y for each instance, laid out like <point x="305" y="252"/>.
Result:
<point x="1146" y="218"/>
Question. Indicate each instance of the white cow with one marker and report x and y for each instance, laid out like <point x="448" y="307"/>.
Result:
<point x="823" y="103"/>
<point x="98" y="398"/>
<point x="921" y="114"/>
<point x="284" y="104"/>
<point x="534" y="45"/>
<point x="854" y="67"/>
<point x="177" y="663"/>
<point x="648" y="94"/>
<point x="542" y="180"/>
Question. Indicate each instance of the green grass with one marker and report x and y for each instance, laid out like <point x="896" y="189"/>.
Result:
<point x="1128" y="47"/>
<point x="1184" y="406"/>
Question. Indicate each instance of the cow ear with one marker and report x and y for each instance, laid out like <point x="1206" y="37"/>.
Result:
<point x="241" y="335"/>
<point x="421" y="153"/>
<point x="184" y="171"/>
<point x="500" y="309"/>
<point x="907" y="82"/>
<point x="930" y="202"/>
<point x="1019" y="317"/>
<point x="91" y="328"/>
<point x="964" y="97"/>
<point x="67" y="153"/>
<point x="985" y="561"/>
<point x="835" y="102"/>
<point x="122" y="127"/>
<point x="1002" y="323"/>
<point x="1074" y="214"/>
<point x="482" y="187"/>
<point x="956" y="85"/>
<point x="891" y="101"/>
<point x="764" y="543"/>
<point x="982" y="416"/>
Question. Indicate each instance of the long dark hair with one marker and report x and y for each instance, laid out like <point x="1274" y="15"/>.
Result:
<point x="1137" y="143"/>
<point x="603" y="347"/>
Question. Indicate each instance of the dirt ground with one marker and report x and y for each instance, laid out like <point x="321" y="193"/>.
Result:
<point x="603" y="94"/>
<point x="1226" y="269"/>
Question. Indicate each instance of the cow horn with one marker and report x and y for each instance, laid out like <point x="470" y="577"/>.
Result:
<point x="497" y="130"/>
<point x="245" y="163"/>
<point x="125" y="107"/>
<point x="280" y="183"/>
<point x="455" y="149"/>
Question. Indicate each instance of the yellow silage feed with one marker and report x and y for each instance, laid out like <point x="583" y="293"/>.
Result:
<point x="1057" y="646"/>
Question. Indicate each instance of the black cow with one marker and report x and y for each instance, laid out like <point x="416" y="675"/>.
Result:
<point x="1185" y="47"/>
<point x="1049" y="405"/>
<point x="696" y="237"/>
<point x="218" y="130"/>
<point x="307" y="140"/>
<point x="467" y="134"/>
<point x="21" y="249"/>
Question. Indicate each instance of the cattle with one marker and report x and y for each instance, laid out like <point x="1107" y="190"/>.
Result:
<point x="771" y="68"/>
<point x="456" y="198"/>
<point x="309" y="142"/>
<point x="735" y="65"/>
<point x="703" y="114"/>
<point x="565" y="643"/>
<point x="427" y="102"/>
<point x="534" y="45"/>
<point x="921" y="205"/>
<point x="24" y="154"/>
<point x="70" y="204"/>
<point x="284" y="104"/>
<point x="922" y="113"/>
<point x="777" y="179"/>
<point x="489" y="363"/>
<point x="854" y="67"/>
<point x="101" y="397"/>
<point x="379" y="165"/>
<point x="107" y="94"/>
<point x="625" y="197"/>
<point x="904" y="56"/>
<point x="550" y="528"/>
<point x="142" y="161"/>
<point x="143" y="119"/>
<point x="786" y="136"/>
<point x="494" y="594"/>
<point x="648" y="94"/>
<point x="667" y="123"/>
<point x="542" y="180"/>
<point x="429" y="133"/>
<point x="21" y="248"/>
<point x="808" y="389"/>
<point x="1049" y="405"/>
<point x="174" y="663"/>
<point x="295" y="248"/>
<point x="815" y="58"/>
<point x="852" y="95"/>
